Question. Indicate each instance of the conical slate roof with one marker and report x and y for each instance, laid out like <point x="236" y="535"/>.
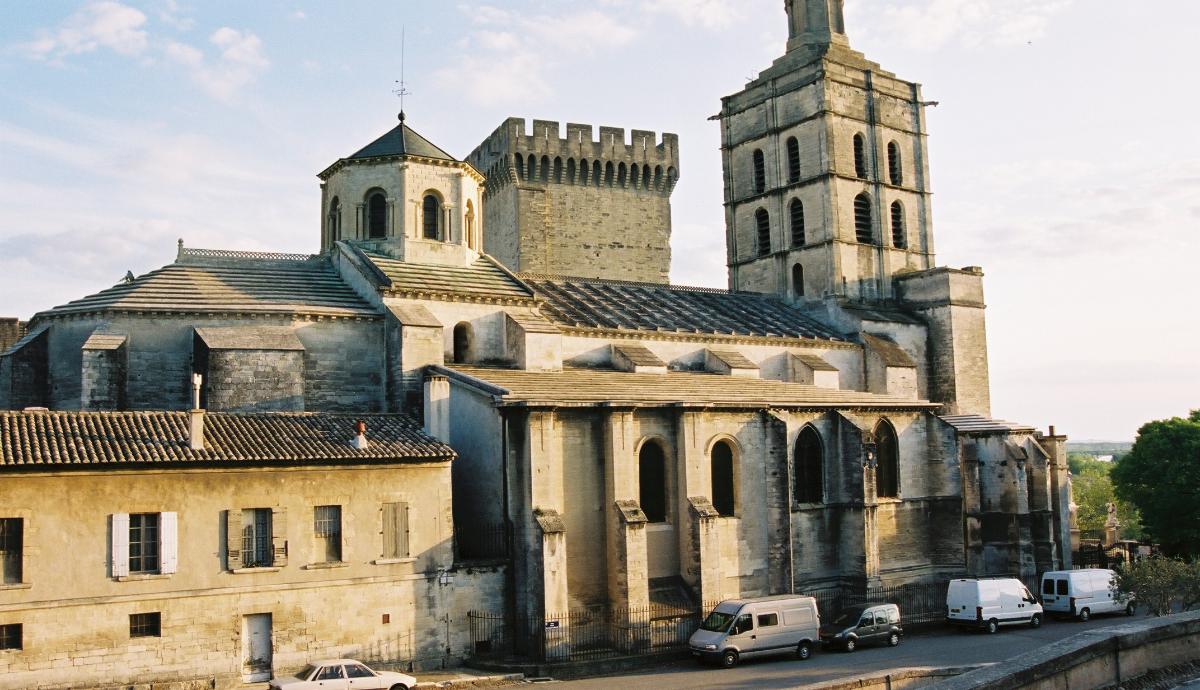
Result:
<point x="401" y="141"/>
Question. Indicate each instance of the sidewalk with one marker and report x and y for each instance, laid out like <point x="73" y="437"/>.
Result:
<point x="465" y="678"/>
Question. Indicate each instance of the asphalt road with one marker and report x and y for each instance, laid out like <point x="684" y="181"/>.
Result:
<point x="939" y="647"/>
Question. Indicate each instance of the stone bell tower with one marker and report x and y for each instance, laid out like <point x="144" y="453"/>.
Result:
<point x="826" y="180"/>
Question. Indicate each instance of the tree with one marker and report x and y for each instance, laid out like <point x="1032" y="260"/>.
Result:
<point x="1158" y="583"/>
<point x="1161" y="477"/>
<point x="1093" y="491"/>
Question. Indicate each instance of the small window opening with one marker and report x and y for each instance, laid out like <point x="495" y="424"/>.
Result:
<point x="796" y="218"/>
<point x="895" y="170"/>
<point x="862" y="218"/>
<point x="462" y="342"/>
<point x="763" y="226"/>
<point x="760" y="172"/>
<point x="797" y="281"/>
<point x="899" y="240"/>
<point x="809" y="468"/>
<point x="793" y="158"/>
<point x="431" y="210"/>
<point x="652" y="482"/>
<point x="887" y="461"/>
<point x="860" y="157"/>
<point x="377" y="216"/>
<point x="723" y="495"/>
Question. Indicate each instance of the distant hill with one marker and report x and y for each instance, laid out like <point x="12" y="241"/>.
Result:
<point x="1099" y="447"/>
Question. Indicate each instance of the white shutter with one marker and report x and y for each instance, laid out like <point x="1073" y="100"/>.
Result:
<point x="168" y="543"/>
<point x="120" y="544"/>
<point x="279" y="545"/>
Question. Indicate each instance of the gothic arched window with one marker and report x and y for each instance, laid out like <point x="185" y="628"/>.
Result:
<point x="431" y="211"/>
<point x="809" y="468"/>
<point x="887" y="461"/>
<point x="862" y="218"/>
<point x="860" y="157"/>
<point x="796" y="217"/>
<point x="793" y="160"/>
<point x="463" y="335"/>
<point x="797" y="281"/>
<point x="724" y="497"/>
<point x="895" y="171"/>
<point x="762" y="223"/>
<point x="899" y="240"/>
<point x="760" y="172"/>
<point x="376" y="214"/>
<point x="652" y="481"/>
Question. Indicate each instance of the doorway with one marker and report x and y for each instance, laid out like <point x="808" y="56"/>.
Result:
<point x="256" y="647"/>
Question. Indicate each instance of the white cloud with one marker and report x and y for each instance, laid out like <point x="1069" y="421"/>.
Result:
<point x="929" y="25"/>
<point x="172" y="15"/>
<point x="299" y="15"/>
<point x="239" y="63"/>
<point x="104" y="24"/>
<point x="711" y="14"/>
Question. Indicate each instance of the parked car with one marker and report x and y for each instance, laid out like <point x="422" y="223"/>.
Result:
<point x="743" y="628"/>
<point x="867" y="624"/>
<point x="990" y="603"/>
<point x="343" y="674"/>
<point x="1080" y="593"/>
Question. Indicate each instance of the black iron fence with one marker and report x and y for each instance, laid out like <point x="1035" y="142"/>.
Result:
<point x="601" y="632"/>
<point x="1097" y="556"/>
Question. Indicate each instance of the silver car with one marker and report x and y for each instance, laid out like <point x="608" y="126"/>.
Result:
<point x="343" y="674"/>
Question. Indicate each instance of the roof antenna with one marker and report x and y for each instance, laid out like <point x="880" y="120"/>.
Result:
<point x="401" y="89"/>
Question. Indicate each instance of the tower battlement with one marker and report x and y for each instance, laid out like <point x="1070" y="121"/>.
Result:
<point x="542" y="154"/>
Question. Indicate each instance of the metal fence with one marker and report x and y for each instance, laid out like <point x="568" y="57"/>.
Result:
<point x="601" y="632"/>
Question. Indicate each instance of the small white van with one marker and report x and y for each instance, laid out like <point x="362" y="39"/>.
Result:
<point x="1081" y="593"/>
<point x="990" y="603"/>
<point x="743" y="628"/>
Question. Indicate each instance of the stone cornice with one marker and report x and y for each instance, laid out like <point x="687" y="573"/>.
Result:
<point x="407" y="157"/>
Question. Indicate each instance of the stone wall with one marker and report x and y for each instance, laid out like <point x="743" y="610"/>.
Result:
<point x="11" y="330"/>
<point x="255" y="380"/>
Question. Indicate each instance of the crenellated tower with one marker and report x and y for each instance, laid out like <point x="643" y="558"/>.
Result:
<point x="581" y="205"/>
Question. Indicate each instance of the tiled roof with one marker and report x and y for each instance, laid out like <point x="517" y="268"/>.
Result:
<point x="887" y="349"/>
<point x="104" y="341"/>
<point x="814" y="362"/>
<point x="401" y="140"/>
<point x="251" y="336"/>
<point x="580" y="387"/>
<point x="89" y="439"/>
<point x="609" y="304"/>
<point x="978" y="424"/>
<point x="483" y="278"/>
<point x="733" y="359"/>
<point x="219" y="281"/>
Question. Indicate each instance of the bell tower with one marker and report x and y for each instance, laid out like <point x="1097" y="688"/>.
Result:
<point x="826" y="180"/>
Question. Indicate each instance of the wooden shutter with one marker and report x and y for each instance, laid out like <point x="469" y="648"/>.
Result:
<point x="120" y="544"/>
<point x="279" y="543"/>
<point x="233" y="538"/>
<point x="395" y="530"/>
<point x="168" y="542"/>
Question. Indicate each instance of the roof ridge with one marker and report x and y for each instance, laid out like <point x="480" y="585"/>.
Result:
<point x="237" y="255"/>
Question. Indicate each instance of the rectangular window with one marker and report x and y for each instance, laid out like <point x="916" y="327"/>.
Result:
<point x="1048" y="587"/>
<point x="327" y="528"/>
<point x="1062" y="586"/>
<point x="766" y="620"/>
<point x="10" y="636"/>
<point x="145" y="624"/>
<point x="257" y="551"/>
<point x="143" y="543"/>
<point x="395" y="530"/>
<point x="12" y="531"/>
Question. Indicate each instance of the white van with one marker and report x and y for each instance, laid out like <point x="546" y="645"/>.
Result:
<point x="743" y="628"/>
<point x="1080" y="593"/>
<point x="991" y="603"/>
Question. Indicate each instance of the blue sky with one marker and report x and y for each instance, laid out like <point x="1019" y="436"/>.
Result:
<point x="1064" y="157"/>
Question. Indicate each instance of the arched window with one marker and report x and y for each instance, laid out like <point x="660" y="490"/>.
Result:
<point x="887" y="461"/>
<point x="860" y="157"/>
<point x="672" y="177"/>
<point x="634" y="172"/>
<point x="762" y="223"/>
<point x="793" y="158"/>
<point x="463" y="335"/>
<point x="531" y="173"/>
<point x="545" y="168"/>
<point x="431" y="211"/>
<point x="608" y="174"/>
<point x="658" y="177"/>
<point x="596" y="173"/>
<point x="796" y="217"/>
<point x="520" y="166"/>
<point x="797" y="281"/>
<point x="895" y="171"/>
<point x="571" y="171"/>
<point x="899" y="240"/>
<point x="862" y="218"/>
<point x="376" y="215"/>
<point x="621" y="174"/>
<point x="652" y="482"/>
<point x="470" y="220"/>
<point x="809" y="468"/>
<point x="558" y="170"/>
<point x="723" y="494"/>
<point x="333" y="223"/>
<point x="645" y="177"/>
<point x="760" y="172"/>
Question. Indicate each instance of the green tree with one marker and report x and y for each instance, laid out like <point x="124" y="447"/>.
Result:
<point x="1092" y="492"/>
<point x="1159" y="583"/>
<point x="1161" y="477"/>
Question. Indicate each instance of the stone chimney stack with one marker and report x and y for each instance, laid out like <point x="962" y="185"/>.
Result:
<point x="437" y="407"/>
<point x="196" y="416"/>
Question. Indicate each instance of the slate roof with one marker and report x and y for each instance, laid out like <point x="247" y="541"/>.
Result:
<point x="639" y="355"/>
<point x="814" y="362"/>
<point x="79" y="440"/>
<point x="588" y="387"/>
<point x="978" y="424"/>
<point x="483" y="278"/>
<point x="610" y="304"/>
<point x="892" y="354"/>
<point x="401" y="140"/>
<point x="733" y="359"/>
<point x="204" y="280"/>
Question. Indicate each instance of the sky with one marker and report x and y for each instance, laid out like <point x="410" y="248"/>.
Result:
<point x="1064" y="158"/>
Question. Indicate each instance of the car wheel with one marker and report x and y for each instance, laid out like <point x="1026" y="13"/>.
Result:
<point x="992" y="626"/>
<point x="1036" y="621"/>
<point x="729" y="659"/>
<point x="399" y="686"/>
<point x="1129" y="609"/>
<point x="894" y="639"/>
<point x="1085" y="615"/>
<point x="803" y="651"/>
<point x="851" y="645"/>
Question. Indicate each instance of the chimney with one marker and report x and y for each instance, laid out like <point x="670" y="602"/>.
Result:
<point x="437" y="407"/>
<point x="196" y="416"/>
<point x="360" y="438"/>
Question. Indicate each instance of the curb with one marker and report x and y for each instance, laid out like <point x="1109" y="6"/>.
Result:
<point x="886" y="679"/>
<point x="473" y="681"/>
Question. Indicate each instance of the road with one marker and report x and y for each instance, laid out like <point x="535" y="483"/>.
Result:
<point x="940" y="647"/>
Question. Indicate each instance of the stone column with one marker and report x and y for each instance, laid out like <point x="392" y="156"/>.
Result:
<point x="628" y="574"/>
<point x="544" y="457"/>
<point x="699" y="545"/>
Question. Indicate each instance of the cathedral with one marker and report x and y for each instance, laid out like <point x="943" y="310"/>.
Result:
<point x="822" y="423"/>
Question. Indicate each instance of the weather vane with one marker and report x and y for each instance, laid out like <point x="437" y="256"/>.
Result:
<point x="401" y="89"/>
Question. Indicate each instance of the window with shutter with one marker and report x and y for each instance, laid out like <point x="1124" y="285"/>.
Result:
<point x="168" y="540"/>
<point x="120" y="544"/>
<point x="395" y="530"/>
<point x="233" y="539"/>
<point x="12" y="532"/>
<point x="279" y="544"/>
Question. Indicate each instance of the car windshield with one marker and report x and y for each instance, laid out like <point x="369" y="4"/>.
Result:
<point x="305" y="672"/>
<point x="717" y="622"/>
<point x="848" y="617"/>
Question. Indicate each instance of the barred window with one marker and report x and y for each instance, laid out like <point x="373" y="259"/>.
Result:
<point x="257" y="551"/>
<point x="327" y="528"/>
<point x="143" y="543"/>
<point x="796" y="213"/>
<point x="760" y="172"/>
<point x="860" y="157"/>
<point x="895" y="170"/>
<point x="793" y="159"/>
<point x="862" y="218"/>
<point x="10" y="636"/>
<point x="762" y="223"/>
<point x="145" y="624"/>
<point x="899" y="238"/>
<point x="12" y="533"/>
